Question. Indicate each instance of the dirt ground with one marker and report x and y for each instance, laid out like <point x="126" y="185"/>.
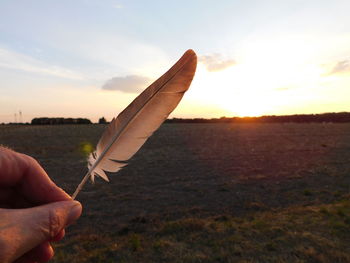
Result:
<point x="195" y="170"/>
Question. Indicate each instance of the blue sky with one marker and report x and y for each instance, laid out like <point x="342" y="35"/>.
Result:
<point x="90" y="58"/>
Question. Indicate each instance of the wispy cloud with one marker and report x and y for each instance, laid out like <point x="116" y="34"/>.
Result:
<point x="127" y="84"/>
<point x="120" y="52"/>
<point x="341" y="67"/>
<point x="13" y="60"/>
<point x="215" y="62"/>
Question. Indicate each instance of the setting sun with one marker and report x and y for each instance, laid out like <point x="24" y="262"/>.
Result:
<point x="274" y="76"/>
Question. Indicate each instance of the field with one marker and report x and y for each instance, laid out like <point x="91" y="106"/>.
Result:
<point x="205" y="193"/>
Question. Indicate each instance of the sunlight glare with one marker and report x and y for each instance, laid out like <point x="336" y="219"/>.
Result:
<point x="265" y="74"/>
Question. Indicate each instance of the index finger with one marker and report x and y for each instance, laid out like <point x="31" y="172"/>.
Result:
<point x="26" y="175"/>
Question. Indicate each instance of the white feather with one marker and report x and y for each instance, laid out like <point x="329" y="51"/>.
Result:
<point x="136" y="123"/>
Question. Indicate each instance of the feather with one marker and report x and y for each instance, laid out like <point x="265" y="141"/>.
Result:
<point x="125" y="135"/>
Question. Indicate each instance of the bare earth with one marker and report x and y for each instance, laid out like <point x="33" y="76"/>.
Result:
<point x="198" y="172"/>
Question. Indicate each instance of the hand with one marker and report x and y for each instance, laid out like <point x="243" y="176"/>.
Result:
<point x="34" y="211"/>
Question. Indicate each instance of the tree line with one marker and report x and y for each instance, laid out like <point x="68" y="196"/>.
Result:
<point x="339" y="117"/>
<point x="57" y="121"/>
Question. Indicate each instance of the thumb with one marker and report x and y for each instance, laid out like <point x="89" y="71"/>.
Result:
<point x="24" y="229"/>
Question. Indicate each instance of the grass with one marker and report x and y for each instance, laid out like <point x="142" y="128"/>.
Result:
<point x="296" y="234"/>
<point x="205" y="193"/>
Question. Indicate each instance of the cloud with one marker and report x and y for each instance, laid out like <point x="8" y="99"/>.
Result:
<point x="215" y="62"/>
<point x="127" y="84"/>
<point x="12" y="60"/>
<point x="341" y="67"/>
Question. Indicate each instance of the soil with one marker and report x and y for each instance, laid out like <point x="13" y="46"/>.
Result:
<point x="196" y="169"/>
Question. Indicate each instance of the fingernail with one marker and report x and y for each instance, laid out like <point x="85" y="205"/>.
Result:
<point x="74" y="213"/>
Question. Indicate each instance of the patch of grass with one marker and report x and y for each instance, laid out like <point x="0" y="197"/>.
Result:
<point x="307" y="192"/>
<point x="187" y="225"/>
<point x="162" y="244"/>
<point x="271" y="246"/>
<point x="324" y="210"/>
<point x="341" y="212"/>
<point x="135" y="242"/>
<point x="201" y="202"/>
<point x="295" y="234"/>
<point x="255" y="205"/>
<point x="260" y="224"/>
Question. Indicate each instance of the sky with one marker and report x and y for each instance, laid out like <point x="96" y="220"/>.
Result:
<point x="91" y="58"/>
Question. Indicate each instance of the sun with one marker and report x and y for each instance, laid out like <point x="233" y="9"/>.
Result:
<point x="269" y="78"/>
<point x="248" y="105"/>
<point x="247" y="108"/>
<point x="235" y="92"/>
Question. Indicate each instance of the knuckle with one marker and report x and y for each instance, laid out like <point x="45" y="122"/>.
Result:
<point x="54" y="224"/>
<point x="30" y="160"/>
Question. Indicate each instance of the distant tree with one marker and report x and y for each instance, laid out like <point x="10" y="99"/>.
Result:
<point x="58" y="121"/>
<point x="102" y="120"/>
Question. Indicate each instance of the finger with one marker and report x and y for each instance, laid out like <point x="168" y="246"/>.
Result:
<point x="24" y="229"/>
<point x="42" y="253"/>
<point x="59" y="236"/>
<point x="29" y="178"/>
<point x="36" y="186"/>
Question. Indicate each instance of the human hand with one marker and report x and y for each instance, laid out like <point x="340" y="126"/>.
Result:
<point x="33" y="210"/>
